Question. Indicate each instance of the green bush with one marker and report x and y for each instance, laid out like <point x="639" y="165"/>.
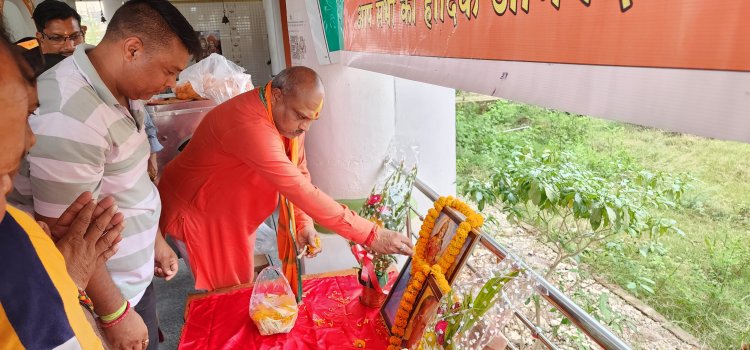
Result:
<point x="700" y="281"/>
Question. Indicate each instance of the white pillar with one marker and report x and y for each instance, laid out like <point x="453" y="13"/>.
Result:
<point x="17" y="20"/>
<point x="275" y="38"/>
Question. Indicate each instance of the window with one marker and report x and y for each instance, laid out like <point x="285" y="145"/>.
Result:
<point x="91" y="15"/>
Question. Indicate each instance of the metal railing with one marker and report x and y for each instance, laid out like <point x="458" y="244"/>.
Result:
<point x="577" y="316"/>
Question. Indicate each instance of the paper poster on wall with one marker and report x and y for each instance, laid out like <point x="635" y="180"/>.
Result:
<point x="682" y="65"/>
<point x="210" y="43"/>
<point x="299" y="34"/>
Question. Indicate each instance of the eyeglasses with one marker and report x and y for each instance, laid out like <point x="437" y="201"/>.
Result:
<point x="75" y="38"/>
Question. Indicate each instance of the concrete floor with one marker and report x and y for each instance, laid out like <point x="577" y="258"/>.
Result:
<point x="170" y="305"/>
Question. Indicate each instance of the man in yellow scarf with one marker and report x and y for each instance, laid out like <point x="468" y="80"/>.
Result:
<point x="245" y="158"/>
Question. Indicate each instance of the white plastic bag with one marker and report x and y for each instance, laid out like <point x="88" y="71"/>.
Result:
<point x="273" y="307"/>
<point x="216" y="78"/>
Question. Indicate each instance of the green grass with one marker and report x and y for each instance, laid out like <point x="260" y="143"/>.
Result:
<point x="703" y="281"/>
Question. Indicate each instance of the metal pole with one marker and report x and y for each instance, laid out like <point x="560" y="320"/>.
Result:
<point x="582" y="320"/>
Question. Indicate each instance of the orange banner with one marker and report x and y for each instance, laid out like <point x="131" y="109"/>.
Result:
<point x="691" y="34"/>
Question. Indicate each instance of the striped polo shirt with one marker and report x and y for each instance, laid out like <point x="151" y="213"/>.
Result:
<point x="87" y="141"/>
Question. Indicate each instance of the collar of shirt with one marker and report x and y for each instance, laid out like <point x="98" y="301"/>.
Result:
<point x="134" y="110"/>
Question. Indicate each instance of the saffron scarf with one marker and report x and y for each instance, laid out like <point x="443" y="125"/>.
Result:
<point x="286" y="233"/>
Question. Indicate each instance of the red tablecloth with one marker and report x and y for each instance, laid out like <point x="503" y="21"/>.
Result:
<point x="331" y="317"/>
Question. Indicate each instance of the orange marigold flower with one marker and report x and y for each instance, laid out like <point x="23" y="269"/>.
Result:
<point x="464" y="226"/>
<point x="475" y="220"/>
<point x="432" y="212"/>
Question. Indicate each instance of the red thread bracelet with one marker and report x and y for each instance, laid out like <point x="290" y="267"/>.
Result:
<point x="117" y="320"/>
<point x="371" y="237"/>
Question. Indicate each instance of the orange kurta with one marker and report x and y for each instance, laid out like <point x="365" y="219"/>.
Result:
<point x="218" y="191"/>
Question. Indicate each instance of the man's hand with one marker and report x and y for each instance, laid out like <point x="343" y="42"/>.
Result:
<point x="131" y="333"/>
<point x="85" y="242"/>
<point x="391" y="242"/>
<point x="58" y="227"/>
<point x="309" y="237"/>
<point x="153" y="168"/>
<point x="165" y="260"/>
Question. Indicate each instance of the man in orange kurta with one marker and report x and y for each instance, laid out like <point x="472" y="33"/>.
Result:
<point x="228" y="179"/>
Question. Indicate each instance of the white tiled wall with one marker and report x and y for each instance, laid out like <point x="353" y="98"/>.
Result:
<point x="244" y="40"/>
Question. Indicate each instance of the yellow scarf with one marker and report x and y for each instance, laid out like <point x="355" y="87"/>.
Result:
<point x="286" y="235"/>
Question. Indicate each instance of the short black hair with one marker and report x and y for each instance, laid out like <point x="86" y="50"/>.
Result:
<point x="50" y="10"/>
<point x="154" y="22"/>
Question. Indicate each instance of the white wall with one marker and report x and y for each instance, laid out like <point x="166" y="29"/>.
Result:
<point x="346" y="147"/>
<point x="427" y="114"/>
<point x="363" y="111"/>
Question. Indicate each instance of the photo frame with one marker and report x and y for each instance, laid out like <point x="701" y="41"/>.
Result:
<point x="392" y="301"/>
<point x="425" y="308"/>
<point x="445" y="225"/>
<point x="210" y="43"/>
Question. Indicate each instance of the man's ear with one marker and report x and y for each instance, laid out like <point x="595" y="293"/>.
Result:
<point x="276" y="93"/>
<point x="133" y="48"/>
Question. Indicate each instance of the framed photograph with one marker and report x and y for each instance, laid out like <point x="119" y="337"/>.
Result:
<point x="440" y="237"/>
<point x="210" y="43"/>
<point x="390" y="307"/>
<point x="425" y="309"/>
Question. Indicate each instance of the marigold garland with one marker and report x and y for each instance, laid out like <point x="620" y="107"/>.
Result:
<point x="421" y="269"/>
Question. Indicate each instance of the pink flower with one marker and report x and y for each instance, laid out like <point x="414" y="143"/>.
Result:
<point x="374" y="199"/>
<point x="440" y="328"/>
<point x="385" y="210"/>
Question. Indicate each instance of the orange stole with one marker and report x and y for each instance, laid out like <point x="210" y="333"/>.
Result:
<point x="286" y="234"/>
<point x="29" y="5"/>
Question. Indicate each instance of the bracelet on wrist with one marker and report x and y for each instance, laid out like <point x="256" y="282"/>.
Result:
<point x="111" y="317"/>
<point x="371" y="238"/>
<point x="85" y="301"/>
<point x="109" y="324"/>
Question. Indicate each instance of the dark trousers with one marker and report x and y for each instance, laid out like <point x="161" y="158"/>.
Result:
<point x="146" y="308"/>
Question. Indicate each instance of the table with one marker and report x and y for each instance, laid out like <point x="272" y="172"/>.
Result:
<point x="330" y="317"/>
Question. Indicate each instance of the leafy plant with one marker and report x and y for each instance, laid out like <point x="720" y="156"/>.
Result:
<point x="702" y="287"/>
<point x="388" y="206"/>
<point x="575" y="208"/>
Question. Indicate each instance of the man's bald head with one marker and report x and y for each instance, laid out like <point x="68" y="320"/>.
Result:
<point x="297" y="97"/>
<point x="295" y="80"/>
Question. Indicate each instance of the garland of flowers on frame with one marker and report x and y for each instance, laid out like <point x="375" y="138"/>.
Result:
<point x="421" y="269"/>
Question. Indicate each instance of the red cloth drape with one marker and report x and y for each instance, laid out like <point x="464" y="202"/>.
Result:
<point x="331" y="317"/>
